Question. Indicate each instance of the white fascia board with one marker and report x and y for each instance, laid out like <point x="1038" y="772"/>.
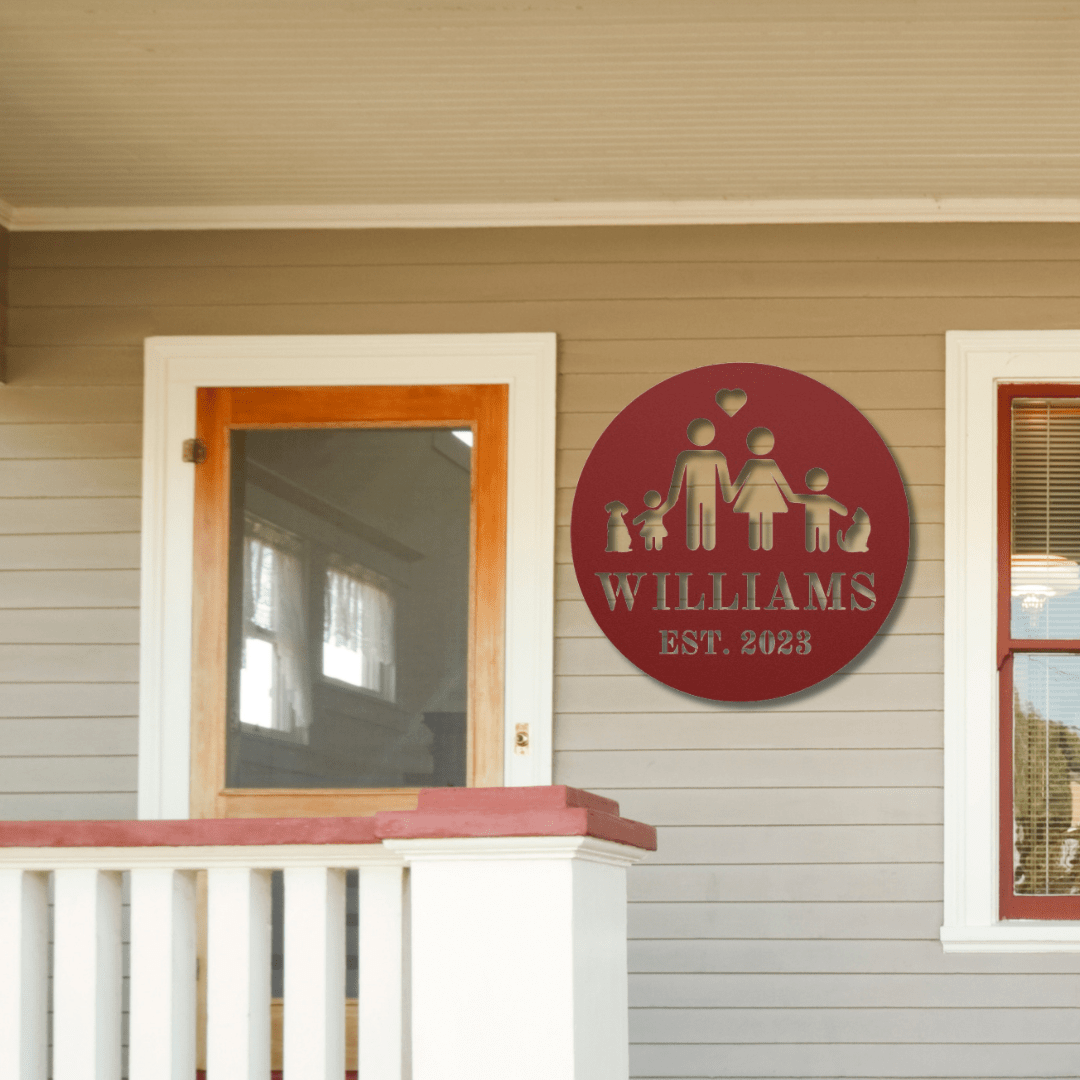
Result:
<point x="521" y="215"/>
<point x="177" y="366"/>
<point x="976" y="363"/>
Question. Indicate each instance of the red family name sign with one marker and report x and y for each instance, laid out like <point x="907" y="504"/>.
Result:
<point x="740" y="532"/>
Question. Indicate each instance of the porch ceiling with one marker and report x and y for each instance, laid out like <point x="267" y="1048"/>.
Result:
<point x="200" y="103"/>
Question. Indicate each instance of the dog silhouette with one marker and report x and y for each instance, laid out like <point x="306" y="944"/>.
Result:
<point x="618" y="535"/>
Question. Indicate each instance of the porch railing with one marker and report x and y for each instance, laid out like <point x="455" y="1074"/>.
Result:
<point x="492" y="942"/>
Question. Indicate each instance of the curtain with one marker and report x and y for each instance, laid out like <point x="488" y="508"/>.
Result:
<point x="359" y="617"/>
<point x="274" y="602"/>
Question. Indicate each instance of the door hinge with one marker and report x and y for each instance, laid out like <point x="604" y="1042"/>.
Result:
<point x="194" y="451"/>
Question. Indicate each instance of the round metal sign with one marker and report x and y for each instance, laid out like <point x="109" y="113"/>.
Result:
<point x="740" y="532"/>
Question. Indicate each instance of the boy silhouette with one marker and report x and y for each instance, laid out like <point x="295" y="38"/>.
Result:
<point x="817" y="508"/>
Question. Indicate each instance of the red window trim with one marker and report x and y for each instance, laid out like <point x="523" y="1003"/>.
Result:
<point x="1011" y="906"/>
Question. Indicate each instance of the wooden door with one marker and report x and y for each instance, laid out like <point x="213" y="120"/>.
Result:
<point x="225" y="419"/>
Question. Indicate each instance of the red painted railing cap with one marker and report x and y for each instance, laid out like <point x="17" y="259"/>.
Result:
<point x="513" y="799"/>
<point x="210" y="832"/>
<point x="555" y="810"/>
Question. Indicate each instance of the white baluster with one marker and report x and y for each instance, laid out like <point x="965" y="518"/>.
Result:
<point x="379" y="1022"/>
<point x="238" y="974"/>
<point x="86" y="975"/>
<point x="314" y="973"/>
<point x="162" y="1040"/>
<point x="24" y="960"/>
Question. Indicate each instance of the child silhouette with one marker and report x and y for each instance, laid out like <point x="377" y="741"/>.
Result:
<point x="761" y="490"/>
<point x="652" y="522"/>
<point x="818" y="507"/>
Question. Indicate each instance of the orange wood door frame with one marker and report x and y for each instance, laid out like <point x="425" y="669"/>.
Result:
<point x="482" y="408"/>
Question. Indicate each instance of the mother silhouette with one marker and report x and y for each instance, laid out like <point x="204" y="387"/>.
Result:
<point x="762" y="490"/>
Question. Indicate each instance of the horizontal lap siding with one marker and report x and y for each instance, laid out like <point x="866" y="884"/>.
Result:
<point x="70" y="448"/>
<point x="787" y="927"/>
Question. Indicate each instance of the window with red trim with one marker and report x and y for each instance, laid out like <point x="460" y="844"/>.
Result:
<point x="1038" y="652"/>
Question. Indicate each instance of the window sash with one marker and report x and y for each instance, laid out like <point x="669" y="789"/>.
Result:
<point x="1017" y="464"/>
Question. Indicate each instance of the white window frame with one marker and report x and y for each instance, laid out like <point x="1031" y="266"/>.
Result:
<point x="977" y="362"/>
<point x="176" y="366"/>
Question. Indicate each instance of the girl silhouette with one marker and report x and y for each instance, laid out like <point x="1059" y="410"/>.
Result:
<point x="761" y="489"/>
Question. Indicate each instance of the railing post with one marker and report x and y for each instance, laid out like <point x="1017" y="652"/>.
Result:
<point x="379" y="1009"/>
<point x="86" y="975"/>
<point x="24" y="961"/>
<point x="518" y="951"/>
<point x="238" y="974"/>
<point x="162" y="1013"/>
<point x="314" y="1038"/>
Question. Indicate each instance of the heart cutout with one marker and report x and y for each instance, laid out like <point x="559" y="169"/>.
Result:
<point x="731" y="401"/>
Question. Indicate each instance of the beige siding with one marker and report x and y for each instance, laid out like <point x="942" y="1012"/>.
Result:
<point x="3" y="300"/>
<point x="788" y="925"/>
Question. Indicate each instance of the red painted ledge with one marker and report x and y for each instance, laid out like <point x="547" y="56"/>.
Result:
<point x="209" y="832"/>
<point x="453" y="813"/>
<point x="442" y="813"/>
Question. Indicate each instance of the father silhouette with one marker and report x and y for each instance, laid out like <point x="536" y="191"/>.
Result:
<point x="700" y="469"/>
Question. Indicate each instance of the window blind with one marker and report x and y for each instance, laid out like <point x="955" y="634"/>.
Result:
<point x="1046" y="477"/>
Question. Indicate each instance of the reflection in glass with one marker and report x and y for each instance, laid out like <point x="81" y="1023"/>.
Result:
<point x="1045" y="585"/>
<point x="275" y="690"/>
<point x="348" y="608"/>
<point x="358" y="631"/>
<point x="1046" y="774"/>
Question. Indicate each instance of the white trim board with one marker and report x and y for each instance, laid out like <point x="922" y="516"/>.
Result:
<point x="976" y="362"/>
<point x="519" y="215"/>
<point x="177" y="366"/>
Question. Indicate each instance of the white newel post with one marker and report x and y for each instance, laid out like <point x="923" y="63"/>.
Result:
<point x="314" y="1036"/>
<point x="379" y="1009"/>
<point x="24" y="960"/>
<point x="518" y="957"/>
<point x="238" y="974"/>
<point x="86" y="974"/>
<point x="162" y="1010"/>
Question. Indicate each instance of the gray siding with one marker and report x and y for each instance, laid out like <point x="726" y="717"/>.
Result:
<point x="787" y="927"/>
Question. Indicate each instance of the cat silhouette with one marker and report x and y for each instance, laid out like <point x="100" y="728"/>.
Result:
<point x="858" y="534"/>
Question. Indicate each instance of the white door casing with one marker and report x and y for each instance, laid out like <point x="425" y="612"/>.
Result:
<point x="176" y="366"/>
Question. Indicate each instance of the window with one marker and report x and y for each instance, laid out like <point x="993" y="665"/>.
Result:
<point x="335" y="577"/>
<point x="1039" y="649"/>
<point x="358" y="630"/>
<point x="1012" y="642"/>
<point x="273" y="685"/>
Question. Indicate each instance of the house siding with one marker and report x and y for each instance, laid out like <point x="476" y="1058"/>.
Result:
<point x="787" y="926"/>
<point x="3" y="299"/>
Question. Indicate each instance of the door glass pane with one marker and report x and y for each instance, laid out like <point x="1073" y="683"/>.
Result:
<point x="1046" y="518"/>
<point x="348" y="608"/>
<point x="1046" y="773"/>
